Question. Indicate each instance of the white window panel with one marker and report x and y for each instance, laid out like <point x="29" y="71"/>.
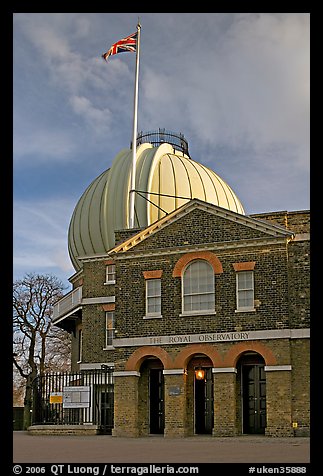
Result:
<point x="198" y="287"/>
<point x="245" y="290"/>
<point x="153" y="297"/>
<point x="110" y="274"/>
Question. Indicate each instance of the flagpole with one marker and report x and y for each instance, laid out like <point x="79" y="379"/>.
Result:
<point x="134" y="137"/>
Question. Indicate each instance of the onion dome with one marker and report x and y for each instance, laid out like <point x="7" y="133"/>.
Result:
<point x="166" y="178"/>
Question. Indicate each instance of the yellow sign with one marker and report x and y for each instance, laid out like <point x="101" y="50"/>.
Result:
<point x="56" y="397"/>
<point x="295" y="424"/>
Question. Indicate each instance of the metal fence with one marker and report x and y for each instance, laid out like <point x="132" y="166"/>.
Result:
<point x="75" y="398"/>
<point x="156" y="138"/>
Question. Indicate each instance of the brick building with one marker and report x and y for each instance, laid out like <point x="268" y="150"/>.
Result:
<point x="202" y="312"/>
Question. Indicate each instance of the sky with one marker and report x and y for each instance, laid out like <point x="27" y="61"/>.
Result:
<point x="237" y="85"/>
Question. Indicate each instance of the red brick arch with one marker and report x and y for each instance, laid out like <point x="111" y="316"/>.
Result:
<point x="138" y="356"/>
<point x="232" y="356"/>
<point x="181" y="360"/>
<point x="188" y="257"/>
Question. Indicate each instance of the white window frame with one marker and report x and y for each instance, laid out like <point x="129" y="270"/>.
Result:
<point x="152" y="315"/>
<point x="200" y="311"/>
<point x="251" y="289"/>
<point x="110" y="274"/>
<point x="109" y="333"/>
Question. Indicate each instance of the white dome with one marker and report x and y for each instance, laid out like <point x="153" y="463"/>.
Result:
<point x="160" y="171"/>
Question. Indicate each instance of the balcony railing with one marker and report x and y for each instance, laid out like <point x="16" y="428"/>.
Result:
<point x="156" y="138"/>
<point x="69" y="302"/>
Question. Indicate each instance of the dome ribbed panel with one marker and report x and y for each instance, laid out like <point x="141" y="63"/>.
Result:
<point x="180" y="176"/>
<point x="115" y="216"/>
<point x="84" y="235"/>
<point x="144" y="161"/>
<point x="226" y="197"/>
<point x="94" y="211"/>
<point x="72" y="248"/>
<point x="167" y="184"/>
<point x="184" y="188"/>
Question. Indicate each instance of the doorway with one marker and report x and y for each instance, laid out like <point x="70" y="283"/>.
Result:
<point x="156" y="401"/>
<point x="106" y="410"/>
<point x="253" y="379"/>
<point x="203" y="400"/>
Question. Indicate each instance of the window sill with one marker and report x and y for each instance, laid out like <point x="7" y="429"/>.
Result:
<point x="198" y="313"/>
<point x="109" y="347"/>
<point x="245" y="310"/>
<point x="109" y="282"/>
<point x="157" y="316"/>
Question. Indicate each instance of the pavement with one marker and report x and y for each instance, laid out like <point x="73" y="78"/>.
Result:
<point x="157" y="449"/>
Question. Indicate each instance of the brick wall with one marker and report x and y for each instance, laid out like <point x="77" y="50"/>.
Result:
<point x="297" y="221"/>
<point x="299" y="283"/>
<point x="271" y="289"/>
<point x="123" y="235"/>
<point x="300" y="396"/>
<point x="198" y="227"/>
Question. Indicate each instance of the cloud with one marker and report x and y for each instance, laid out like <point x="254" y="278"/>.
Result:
<point x="40" y="236"/>
<point x="98" y="119"/>
<point x="41" y="144"/>
<point x="70" y="68"/>
<point x="249" y="89"/>
<point x="78" y="89"/>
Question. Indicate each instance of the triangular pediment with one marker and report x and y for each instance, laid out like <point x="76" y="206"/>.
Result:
<point x="211" y="224"/>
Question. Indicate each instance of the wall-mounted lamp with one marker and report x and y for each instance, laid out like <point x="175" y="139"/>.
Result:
<point x="199" y="373"/>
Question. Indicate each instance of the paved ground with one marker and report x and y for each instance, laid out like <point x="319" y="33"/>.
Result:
<point x="156" y="449"/>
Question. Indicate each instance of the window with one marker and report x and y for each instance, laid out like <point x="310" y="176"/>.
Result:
<point x="245" y="291"/>
<point x="80" y="345"/>
<point x="110" y="274"/>
<point x="198" y="288"/>
<point x="110" y="328"/>
<point x="153" y="297"/>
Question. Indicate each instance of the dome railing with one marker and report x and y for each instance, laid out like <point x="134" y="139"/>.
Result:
<point x="156" y="138"/>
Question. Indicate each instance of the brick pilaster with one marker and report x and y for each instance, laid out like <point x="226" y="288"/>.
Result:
<point x="225" y="423"/>
<point x="126" y="404"/>
<point x="278" y="403"/>
<point x="175" y="403"/>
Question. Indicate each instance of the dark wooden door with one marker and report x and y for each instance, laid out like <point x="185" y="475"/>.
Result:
<point x="254" y="398"/>
<point x="156" y="395"/>
<point x="204" y="403"/>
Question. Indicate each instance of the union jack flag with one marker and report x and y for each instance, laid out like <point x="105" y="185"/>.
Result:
<point x="126" y="44"/>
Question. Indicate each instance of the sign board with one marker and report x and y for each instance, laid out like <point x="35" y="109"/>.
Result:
<point x="56" y="397"/>
<point x="76" y="397"/>
<point x="212" y="337"/>
<point x="174" y="391"/>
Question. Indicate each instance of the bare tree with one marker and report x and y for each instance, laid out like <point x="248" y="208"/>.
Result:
<point x="38" y="345"/>
<point x="18" y="389"/>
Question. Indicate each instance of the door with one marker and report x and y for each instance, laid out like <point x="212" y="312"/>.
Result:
<point x="156" y="400"/>
<point x="254" y="398"/>
<point x="106" y="413"/>
<point x="204" y="403"/>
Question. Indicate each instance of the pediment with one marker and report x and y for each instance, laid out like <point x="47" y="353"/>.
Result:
<point x="199" y="222"/>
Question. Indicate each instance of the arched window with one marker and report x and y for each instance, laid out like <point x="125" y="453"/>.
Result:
<point x="198" y="288"/>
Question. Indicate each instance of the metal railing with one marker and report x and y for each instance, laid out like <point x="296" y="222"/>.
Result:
<point x="156" y="138"/>
<point x="69" y="302"/>
<point x="75" y="398"/>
